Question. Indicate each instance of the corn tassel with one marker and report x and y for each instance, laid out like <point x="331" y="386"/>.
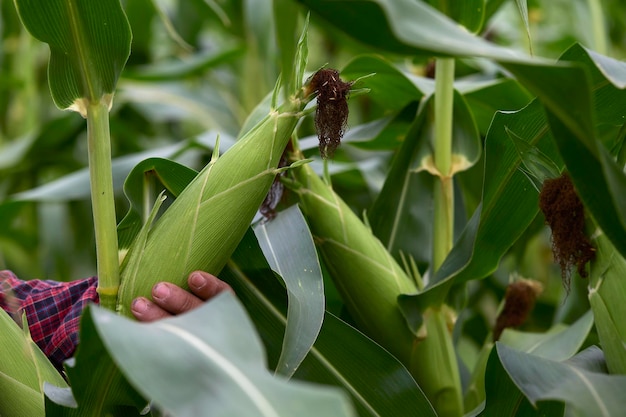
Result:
<point x="203" y="226"/>
<point x="366" y="275"/>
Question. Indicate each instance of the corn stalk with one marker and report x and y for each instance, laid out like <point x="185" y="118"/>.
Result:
<point x="433" y="360"/>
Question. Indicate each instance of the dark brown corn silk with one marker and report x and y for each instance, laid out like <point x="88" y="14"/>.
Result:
<point x="276" y="191"/>
<point x="331" y="117"/>
<point x="519" y="301"/>
<point x="565" y="214"/>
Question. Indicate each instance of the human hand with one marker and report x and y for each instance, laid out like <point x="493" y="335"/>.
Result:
<point x="169" y="299"/>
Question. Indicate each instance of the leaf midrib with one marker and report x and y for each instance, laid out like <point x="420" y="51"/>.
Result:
<point x="82" y="50"/>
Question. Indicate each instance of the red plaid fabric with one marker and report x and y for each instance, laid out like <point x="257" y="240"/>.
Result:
<point x="52" y="309"/>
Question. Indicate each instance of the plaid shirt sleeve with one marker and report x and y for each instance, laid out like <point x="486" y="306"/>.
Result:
<point x="52" y="309"/>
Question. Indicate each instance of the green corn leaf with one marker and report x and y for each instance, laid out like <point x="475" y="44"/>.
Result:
<point x="581" y="383"/>
<point x="471" y="14"/>
<point x="404" y="26"/>
<point x="89" y="45"/>
<point x="23" y="370"/>
<point x="559" y="343"/>
<point x="285" y="13"/>
<point x="75" y="185"/>
<point x="210" y="362"/>
<point x="98" y="387"/>
<point x="599" y="180"/>
<point x="162" y="9"/>
<point x="522" y="6"/>
<point x="606" y="296"/>
<point x="378" y="383"/>
<point x="537" y="166"/>
<point x="140" y="188"/>
<point x="181" y="101"/>
<point x="389" y="87"/>
<point x="504" y="398"/>
<point x="485" y="99"/>
<point x="289" y="249"/>
<point x="175" y="70"/>
<point x="399" y="223"/>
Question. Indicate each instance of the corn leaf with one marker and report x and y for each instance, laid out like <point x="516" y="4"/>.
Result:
<point x="404" y="26"/>
<point x="195" y="65"/>
<point x="581" y="383"/>
<point x="606" y="296"/>
<point x="401" y="224"/>
<point x="396" y="220"/>
<point x="75" y="186"/>
<point x="148" y="177"/>
<point x="522" y="6"/>
<point x="97" y="385"/>
<point x="210" y="362"/>
<point x="23" y="371"/>
<point x="470" y="14"/>
<point x="181" y="101"/>
<point x="389" y="87"/>
<point x="377" y="383"/>
<point x="561" y="342"/>
<point x="288" y="247"/>
<point x="504" y="398"/>
<point x="89" y="45"/>
<point x="599" y="180"/>
<point x="285" y="13"/>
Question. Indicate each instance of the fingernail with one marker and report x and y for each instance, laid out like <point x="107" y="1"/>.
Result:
<point x="139" y="305"/>
<point x="161" y="291"/>
<point x="197" y="280"/>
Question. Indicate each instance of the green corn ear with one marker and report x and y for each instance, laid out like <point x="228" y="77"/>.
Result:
<point x="366" y="275"/>
<point x="433" y="363"/>
<point x="202" y="228"/>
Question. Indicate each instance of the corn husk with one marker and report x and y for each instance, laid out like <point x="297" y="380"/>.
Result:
<point x="366" y="275"/>
<point x="202" y="228"/>
<point x="433" y="362"/>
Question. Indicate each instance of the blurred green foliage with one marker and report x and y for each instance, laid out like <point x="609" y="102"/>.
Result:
<point x="198" y="68"/>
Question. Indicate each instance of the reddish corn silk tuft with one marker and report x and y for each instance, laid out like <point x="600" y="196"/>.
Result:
<point x="331" y="117"/>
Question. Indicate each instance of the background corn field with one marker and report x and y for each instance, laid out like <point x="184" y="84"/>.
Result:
<point x="352" y="258"/>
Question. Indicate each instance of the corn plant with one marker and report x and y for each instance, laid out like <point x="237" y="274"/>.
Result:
<point x="459" y="172"/>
